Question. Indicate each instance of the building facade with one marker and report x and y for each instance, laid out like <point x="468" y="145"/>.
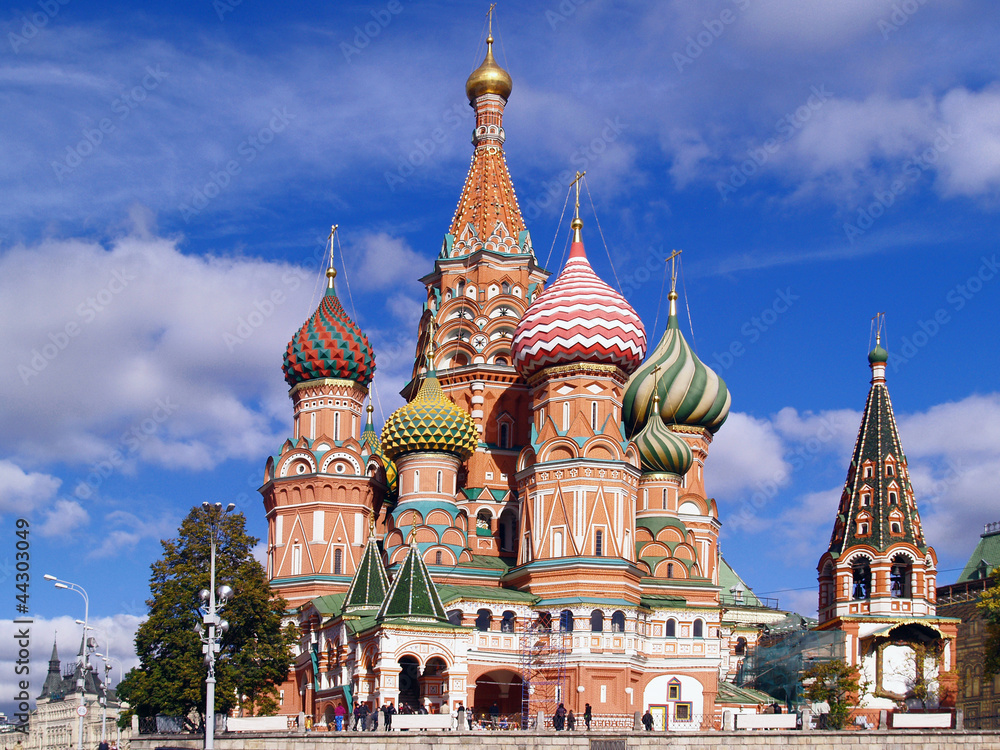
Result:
<point x="878" y="579"/>
<point x="532" y="527"/>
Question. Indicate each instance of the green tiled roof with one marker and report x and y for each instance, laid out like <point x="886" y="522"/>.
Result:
<point x="451" y="594"/>
<point x="656" y="524"/>
<point x="728" y="578"/>
<point x="490" y="562"/>
<point x="331" y="604"/>
<point x="987" y="551"/>
<point x="413" y="596"/>
<point x="744" y="696"/>
<point x="655" y="601"/>
<point x="370" y="582"/>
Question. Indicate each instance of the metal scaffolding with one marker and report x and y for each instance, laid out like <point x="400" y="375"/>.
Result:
<point x="775" y="665"/>
<point x="543" y="668"/>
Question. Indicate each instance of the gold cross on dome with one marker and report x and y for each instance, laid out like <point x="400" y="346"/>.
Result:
<point x="413" y="526"/>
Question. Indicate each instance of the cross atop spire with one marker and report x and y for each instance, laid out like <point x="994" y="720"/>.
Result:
<point x="331" y="272"/>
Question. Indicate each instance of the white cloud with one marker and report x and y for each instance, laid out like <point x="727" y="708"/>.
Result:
<point x="386" y="262"/>
<point x="746" y="457"/>
<point x="22" y="491"/>
<point x="64" y="518"/>
<point x="972" y="166"/>
<point x="123" y="531"/>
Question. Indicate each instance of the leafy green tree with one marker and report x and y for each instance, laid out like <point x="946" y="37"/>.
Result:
<point x="255" y="652"/>
<point x="835" y="683"/>
<point x="989" y="604"/>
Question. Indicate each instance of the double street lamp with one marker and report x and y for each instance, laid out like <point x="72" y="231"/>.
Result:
<point x="107" y="668"/>
<point x="81" y="681"/>
<point x="212" y="627"/>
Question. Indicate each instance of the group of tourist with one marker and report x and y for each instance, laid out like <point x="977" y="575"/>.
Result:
<point x="563" y="719"/>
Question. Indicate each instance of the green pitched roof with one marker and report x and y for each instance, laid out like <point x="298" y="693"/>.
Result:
<point x="413" y="596"/>
<point x="880" y="499"/>
<point x="370" y="582"/>
<point x="451" y="594"/>
<point x="728" y="578"/>
<point x="330" y="604"/>
<point x="987" y="551"/>
<point x="741" y="696"/>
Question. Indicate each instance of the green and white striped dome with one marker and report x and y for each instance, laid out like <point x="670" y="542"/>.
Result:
<point x="690" y="392"/>
<point x="660" y="449"/>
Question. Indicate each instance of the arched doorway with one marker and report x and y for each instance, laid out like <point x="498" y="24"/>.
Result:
<point x="501" y="687"/>
<point x="409" y="682"/>
<point x="433" y="683"/>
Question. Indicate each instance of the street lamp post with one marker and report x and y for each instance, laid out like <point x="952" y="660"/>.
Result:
<point x="211" y="635"/>
<point x="107" y="659"/>
<point x="81" y="682"/>
<point x="104" y="698"/>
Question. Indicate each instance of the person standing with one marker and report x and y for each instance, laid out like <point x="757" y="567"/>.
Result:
<point x="559" y="720"/>
<point x="460" y="712"/>
<point x="588" y="714"/>
<point x="339" y="713"/>
<point x="570" y="721"/>
<point x="387" y="711"/>
<point x="647" y="720"/>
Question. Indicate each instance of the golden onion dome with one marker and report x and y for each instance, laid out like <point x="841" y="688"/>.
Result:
<point x="430" y="422"/>
<point x="488" y="78"/>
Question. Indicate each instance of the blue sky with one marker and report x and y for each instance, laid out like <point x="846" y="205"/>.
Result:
<point x="170" y="173"/>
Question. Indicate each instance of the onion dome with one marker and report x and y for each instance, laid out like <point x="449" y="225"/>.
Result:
<point x="430" y="422"/>
<point x="370" y="440"/>
<point x="661" y="450"/>
<point x="690" y="392"/>
<point x="329" y="345"/>
<point x="878" y="355"/>
<point x="488" y="78"/>
<point x="578" y="319"/>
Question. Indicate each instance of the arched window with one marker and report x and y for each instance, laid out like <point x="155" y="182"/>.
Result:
<point x="484" y="523"/>
<point x="437" y="557"/>
<point x="440" y="480"/>
<point x="618" y="622"/>
<point x="416" y="480"/>
<point x="866" y="499"/>
<point x="671" y="628"/>
<point x="900" y="577"/>
<point x="455" y="616"/>
<point x="698" y="629"/>
<point x="336" y="425"/>
<point x="895" y="528"/>
<point x="599" y="543"/>
<point x="507" y="623"/>
<point x="862" y="574"/>
<point x="890" y="470"/>
<point x="893" y="498"/>
<point x="670" y="570"/>
<point x="338" y="562"/>
<point x="664" y="498"/>
<point x="565" y="415"/>
<point x="504" y="435"/>
<point x="505" y="287"/>
<point x="593" y="416"/>
<point x="566" y="621"/>
<point x="741" y="647"/>
<point x="484" y="619"/>
<point x="597" y="621"/>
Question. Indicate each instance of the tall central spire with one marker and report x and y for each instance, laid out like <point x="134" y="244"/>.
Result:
<point x="487" y="214"/>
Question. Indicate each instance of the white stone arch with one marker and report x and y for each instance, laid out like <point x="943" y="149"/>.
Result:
<point x="691" y="691"/>
<point x="304" y="455"/>
<point x="341" y="456"/>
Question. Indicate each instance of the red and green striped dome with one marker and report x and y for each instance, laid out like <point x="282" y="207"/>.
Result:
<point x="329" y="345"/>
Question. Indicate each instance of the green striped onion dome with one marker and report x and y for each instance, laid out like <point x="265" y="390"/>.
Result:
<point x="690" y="392"/>
<point x="370" y="439"/>
<point x="661" y="450"/>
<point x="430" y="422"/>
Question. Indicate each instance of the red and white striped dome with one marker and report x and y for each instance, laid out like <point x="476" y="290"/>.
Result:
<point x="578" y="319"/>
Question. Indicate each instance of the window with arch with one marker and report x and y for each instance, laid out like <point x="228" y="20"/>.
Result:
<point x="557" y="544"/>
<point x="338" y="562"/>
<point x="618" y="622"/>
<point x="438" y="557"/>
<point x="566" y="621"/>
<point x="893" y="498"/>
<point x="890" y="470"/>
<point x="484" y="619"/>
<point x="900" y="577"/>
<point x="593" y="416"/>
<point x="895" y="528"/>
<point x="500" y="361"/>
<point x="598" y="543"/>
<point x="741" y="647"/>
<point x="455" y="616"/>
<point x="507" y="621"/>
<point x="439" y="481"/>
<point x="416" y="480"/>
<point x="597" y="621"/>
<point x="670" y="570"/>
<point x="674" y="690"/>
<point x="868" y="472"/>
<point x="664" y="498"/>
<point x="861" y="571"/>
<point x="504" y="439"/>
<point x="505" y="287"/>
<point x="565" y="415"/>
<point x="336" y="425"/>
<point x="698" y="629"/>
<point x="671" y="628"/>
<point x="866" y="499"/>
<point x="862" y="528"/>
<point x="484" y="523"/>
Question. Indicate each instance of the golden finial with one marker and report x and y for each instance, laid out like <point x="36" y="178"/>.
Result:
<point x="672" y="296"/>
<point x="430" y="345"/>
<point x="369" y="408"/>
<point x="488" y="78"/>
<point x="331" y="272"/>
<point x="656" y="390"/>
<point x="413" y="527"/>
<point x="577" y="223"/>
<point x="371" y="526"/>
<point x="878" y="321"/>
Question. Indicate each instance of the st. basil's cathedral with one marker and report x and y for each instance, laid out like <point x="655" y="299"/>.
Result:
<point x="532" y="527"/>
